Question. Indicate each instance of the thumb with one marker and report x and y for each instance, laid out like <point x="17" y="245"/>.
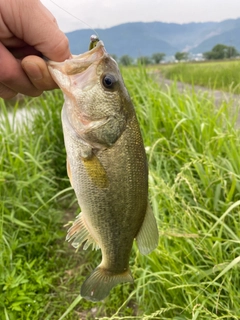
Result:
<point x="30" y="21"/>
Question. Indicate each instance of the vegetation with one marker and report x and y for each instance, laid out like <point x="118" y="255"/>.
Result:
<point x="144" y="60"/>
<point x="33" y="255"/>
<point x="194" y="182"/>
<point x="179" y="56"/>
<point x="126" y="60"/>
<point x="158" y="57"/>
<point x="221" y="51"/>
<point x="218" y="52"/>
<point x="214" y="75"/>
<point x="115" y="57"/>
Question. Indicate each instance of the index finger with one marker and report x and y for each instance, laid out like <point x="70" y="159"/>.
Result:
<point x="31" y="21"/>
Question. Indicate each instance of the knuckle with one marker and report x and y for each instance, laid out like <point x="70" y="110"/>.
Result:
<point x="61" y="46"/>
<point x="65" y="41"/>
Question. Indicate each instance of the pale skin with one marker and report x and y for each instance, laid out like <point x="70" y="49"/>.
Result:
<point x="28" y="31"/>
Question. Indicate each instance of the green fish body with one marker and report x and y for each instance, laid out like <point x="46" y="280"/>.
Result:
<point x="107" y="167"/>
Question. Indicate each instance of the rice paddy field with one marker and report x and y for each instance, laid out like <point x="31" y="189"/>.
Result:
<point x="224" y="75"/>
<point x="194" y="176"/>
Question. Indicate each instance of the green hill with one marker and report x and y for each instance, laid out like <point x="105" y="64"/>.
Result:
<point x="139" y="39"/>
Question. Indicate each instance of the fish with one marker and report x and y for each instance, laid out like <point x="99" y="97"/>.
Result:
<point x="106" y="165"/>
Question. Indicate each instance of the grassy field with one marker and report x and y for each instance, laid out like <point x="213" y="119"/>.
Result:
<point x="193" y="151"/>
<point x="224" y="75"/>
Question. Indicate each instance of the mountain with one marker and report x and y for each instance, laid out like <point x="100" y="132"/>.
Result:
<point x="229" y="38"/>
<point x="143" y="39"/>
<point x="130" y="38"/>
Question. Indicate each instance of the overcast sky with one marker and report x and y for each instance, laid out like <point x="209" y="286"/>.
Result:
<point x="108" y="13"/>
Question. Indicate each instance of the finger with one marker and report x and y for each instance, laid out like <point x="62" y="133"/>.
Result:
<point x="37" y="71"/>
<point x="13" y="76"/>
<point x="33" y="23"/>
<point x="22" y="52"/>
<point x="6" y="93"/>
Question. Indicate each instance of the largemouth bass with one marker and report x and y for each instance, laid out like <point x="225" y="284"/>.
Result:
<point x="106" y="165"/>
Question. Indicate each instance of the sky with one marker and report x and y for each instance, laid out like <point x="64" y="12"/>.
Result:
<point x="108" y="13"/>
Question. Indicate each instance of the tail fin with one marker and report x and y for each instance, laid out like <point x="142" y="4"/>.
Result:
<point x="98" y="285"/>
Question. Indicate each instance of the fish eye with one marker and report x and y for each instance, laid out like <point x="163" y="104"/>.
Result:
<point x="108" y="81"/>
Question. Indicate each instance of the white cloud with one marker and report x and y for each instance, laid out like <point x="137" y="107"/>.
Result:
<point x="107" y="13"/>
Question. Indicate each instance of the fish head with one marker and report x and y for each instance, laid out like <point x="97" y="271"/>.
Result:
<point x="94" y="89"/>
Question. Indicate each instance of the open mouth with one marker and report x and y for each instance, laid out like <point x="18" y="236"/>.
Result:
<point x="79" y="63"/>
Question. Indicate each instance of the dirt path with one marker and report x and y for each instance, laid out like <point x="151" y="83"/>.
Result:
<point x="219" y="96"/>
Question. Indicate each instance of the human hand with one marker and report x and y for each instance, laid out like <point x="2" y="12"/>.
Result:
<point x="28" y="31"/>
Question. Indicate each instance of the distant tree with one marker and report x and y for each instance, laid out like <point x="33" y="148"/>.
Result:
<point x="114" y="56"/>
<point x="144" y="60"/>
<point x="181" y="56"/>
<point x="221" y="51"/>
<point x="158" y="57"/>
<point x="126" y="60"/>
<point x="232" y="52"/>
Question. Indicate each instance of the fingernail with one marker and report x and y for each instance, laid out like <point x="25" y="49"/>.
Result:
<point x="32" y="70"/>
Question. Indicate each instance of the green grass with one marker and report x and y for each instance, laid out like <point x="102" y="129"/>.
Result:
<point x="223" y="75"/>
<point x="33" y="198"/>
<point x="193" y="150"/>
<point x="194" y="182"/>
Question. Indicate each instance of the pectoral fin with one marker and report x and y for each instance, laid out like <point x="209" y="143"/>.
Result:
<point x="96" y="171"/>
<point x="79" y="233"/>
<point x="147" y="238"/>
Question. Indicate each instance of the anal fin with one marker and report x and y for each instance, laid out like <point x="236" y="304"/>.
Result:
<point x="147" y="237"/>
<point x="78" y="233"/>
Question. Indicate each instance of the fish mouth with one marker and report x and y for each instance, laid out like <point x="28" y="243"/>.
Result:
<point x="76" y="74"/>
<point x="79" y="63"/>
<point x="78" y="70"/>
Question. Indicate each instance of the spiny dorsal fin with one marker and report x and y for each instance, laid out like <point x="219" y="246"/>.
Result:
<point x="147" y="238"/>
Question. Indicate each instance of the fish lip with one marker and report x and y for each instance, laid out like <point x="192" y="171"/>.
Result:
<point x="79" y="63"/>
